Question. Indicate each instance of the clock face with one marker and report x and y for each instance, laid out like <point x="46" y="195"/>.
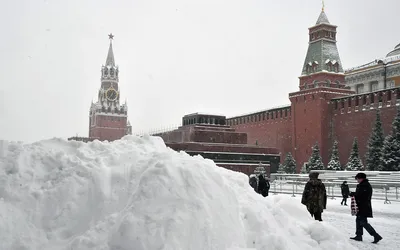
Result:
<point x="111" y="94"/>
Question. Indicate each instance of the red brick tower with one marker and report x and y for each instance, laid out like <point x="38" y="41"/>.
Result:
<point x="108" y="119"/>
<point x="321" y="80"/>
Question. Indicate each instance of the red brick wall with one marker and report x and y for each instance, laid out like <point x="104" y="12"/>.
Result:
<point x="211" y="134"/>
<point x="349" y="123"/>
<point x="211" y="147"/>
<point x="311" y="116"/>
<point x="274" y="133"/>
<point x="220" y="137"/>
<point x="109" y="128"/>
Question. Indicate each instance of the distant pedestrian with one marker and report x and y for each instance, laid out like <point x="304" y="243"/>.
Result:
<point x="314" y="196"/>
<point x="363" y="195"/>
<point x="345" y="192"/>
<point x="253" y="182"/>
<point x="263" y="186"/>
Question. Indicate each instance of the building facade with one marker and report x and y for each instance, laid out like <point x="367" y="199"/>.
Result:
<point x="108" y="117"/>
<point x="326" y="108"/>
<point x="209" y="136"/>
<point x="376" y="75"/>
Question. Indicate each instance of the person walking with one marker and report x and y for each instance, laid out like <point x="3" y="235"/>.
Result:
<point x="345" y="192"/>
<point x="314" y="196"/>
<point x="362" y="196"/>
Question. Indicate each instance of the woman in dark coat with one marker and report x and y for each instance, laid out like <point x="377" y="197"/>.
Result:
<point x="345" y="192"/>
<point x="263" y="186"/>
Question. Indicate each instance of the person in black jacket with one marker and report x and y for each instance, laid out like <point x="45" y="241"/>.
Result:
<point x="345" y="192"/>
<point x="363" y="196"/>
<point x="263" y="186"/>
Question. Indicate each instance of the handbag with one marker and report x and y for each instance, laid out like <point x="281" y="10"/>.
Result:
<point x="353" y="206"/>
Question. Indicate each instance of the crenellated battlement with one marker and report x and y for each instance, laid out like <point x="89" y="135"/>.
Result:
<point x="269" y="115"/>
<point x="365" y="102"/>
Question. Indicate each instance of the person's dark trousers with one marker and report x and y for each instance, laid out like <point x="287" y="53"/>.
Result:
<point x="317" y="216"/>
<point x="344" y="201"/>
<point x="362" y="222"/>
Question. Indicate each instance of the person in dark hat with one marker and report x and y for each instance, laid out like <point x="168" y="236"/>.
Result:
<point x="345" y="192"/>
<point x="314" y="196"/>
<point x="363" y="195"/>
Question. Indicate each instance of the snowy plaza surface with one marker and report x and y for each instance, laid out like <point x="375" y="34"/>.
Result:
<point x="136" y="193"/>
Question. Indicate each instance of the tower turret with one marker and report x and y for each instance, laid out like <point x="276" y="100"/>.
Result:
<point x="322" y="57"/>
<point x="322" y="78"/>
<point x="108" y="118"/>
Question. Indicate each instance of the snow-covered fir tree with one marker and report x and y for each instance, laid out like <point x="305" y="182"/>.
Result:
<point x="374" y="156"/>
<point x="315" y="161"/>
<point x="334" y="163"/>
<point x="354" y="163"/>
<point x="289" y="165"/>
<point x="391" y="147"/>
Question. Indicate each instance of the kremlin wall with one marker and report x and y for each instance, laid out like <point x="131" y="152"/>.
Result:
<point x="331" y="104"/>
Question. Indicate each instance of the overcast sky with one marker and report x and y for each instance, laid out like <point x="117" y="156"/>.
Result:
<point x="175" y="57"/>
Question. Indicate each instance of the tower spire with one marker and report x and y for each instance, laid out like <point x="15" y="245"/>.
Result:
<point x="110" y="56"/>
<point x="323" y="5"/>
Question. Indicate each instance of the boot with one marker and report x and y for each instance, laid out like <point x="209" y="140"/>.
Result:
<point x="377" y="238"/>
<point x="357" y="238"/>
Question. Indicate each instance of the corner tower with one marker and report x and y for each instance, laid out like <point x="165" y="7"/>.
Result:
<point x="322" y="78"/>
<point x="108" y="118"/>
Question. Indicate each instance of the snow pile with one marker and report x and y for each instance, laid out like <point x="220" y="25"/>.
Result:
<point x="136" y="193"/>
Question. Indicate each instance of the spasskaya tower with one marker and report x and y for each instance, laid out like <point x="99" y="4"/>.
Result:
<point x="108" y="118"/>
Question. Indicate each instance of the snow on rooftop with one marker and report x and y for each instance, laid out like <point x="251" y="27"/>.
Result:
<point x="385" y="60"/>
<point x="205" y="113"/>
<point x="135" y="193"/>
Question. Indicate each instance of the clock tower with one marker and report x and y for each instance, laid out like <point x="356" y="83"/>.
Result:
<point x="108" y="118"/>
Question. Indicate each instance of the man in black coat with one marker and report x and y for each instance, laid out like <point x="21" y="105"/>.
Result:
<point x="263" y="186"/>
<point x="345" y="192"/>
<point x="363" y="196"/>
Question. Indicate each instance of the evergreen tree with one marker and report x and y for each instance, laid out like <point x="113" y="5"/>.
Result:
<point x="334" y="163"/>
<point x="289" y="165"/>
<point x="374" y="156"/>
<point x="315" y="161"/>
<point x="354" y="163"/>
<point x="391" y="147"/>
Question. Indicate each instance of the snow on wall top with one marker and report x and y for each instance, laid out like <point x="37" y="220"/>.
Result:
<point x="385" y="60"/>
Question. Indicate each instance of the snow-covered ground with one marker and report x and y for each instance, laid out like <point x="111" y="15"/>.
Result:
<point x="136" y="193"/>
<point x="386" y="222"/>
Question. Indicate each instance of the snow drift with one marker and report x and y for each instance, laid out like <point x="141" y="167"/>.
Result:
<point x="136" y="193"/>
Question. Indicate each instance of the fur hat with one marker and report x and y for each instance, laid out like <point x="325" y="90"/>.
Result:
<point x="361" y="176"/>
<point x="313" y="175"/>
